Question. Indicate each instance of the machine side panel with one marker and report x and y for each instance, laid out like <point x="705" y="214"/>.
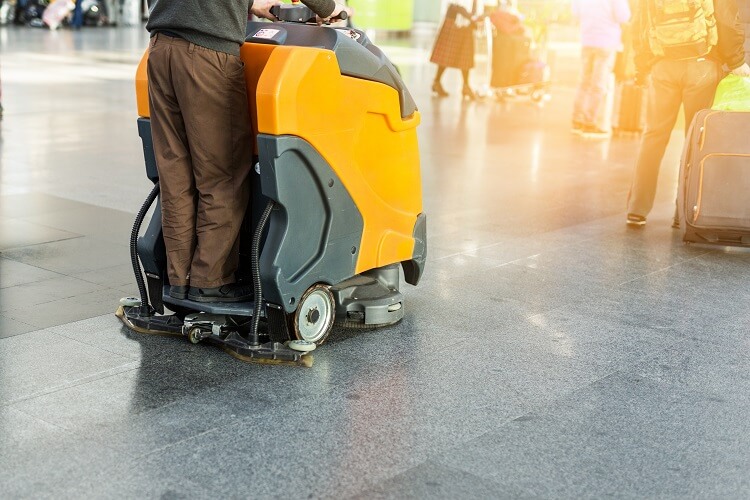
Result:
<point x="315" y="231"/>
<point x="255" y="56"/>
<point x="414" y="267"/>
<point x="144" y="131"/>
<point x="151" y="249"/>
<point x="356" y="127"/>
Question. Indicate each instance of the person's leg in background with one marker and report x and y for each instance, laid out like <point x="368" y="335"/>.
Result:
<point x="579" y="119"/>
<point x="701" y="79"/>
<point x="467" y="91"/>
<point x="77" y="21"/>
<point x="20" y="7"/>
<point x="437" y="86"/>
<point x="602" y="65"/>
<point x="108" y="6"/>
<point x="664" y="101"/>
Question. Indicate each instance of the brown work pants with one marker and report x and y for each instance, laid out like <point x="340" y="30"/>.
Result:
<point x="200" y="125"/>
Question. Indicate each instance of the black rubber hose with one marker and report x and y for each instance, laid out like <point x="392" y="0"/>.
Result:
<point x="145" y="308"/>
<point x="255" y="270"/>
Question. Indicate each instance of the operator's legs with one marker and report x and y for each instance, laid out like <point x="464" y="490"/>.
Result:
<point x="664" y="99"/>
<point x="215" y="107"/>
<point x="173" y="162"/>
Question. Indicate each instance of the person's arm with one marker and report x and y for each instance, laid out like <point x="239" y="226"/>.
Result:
<point x="463" y="12"/>
<point x="730" y="48"/>
<point x="326" y="8"/>
<point x="262" y="8"/>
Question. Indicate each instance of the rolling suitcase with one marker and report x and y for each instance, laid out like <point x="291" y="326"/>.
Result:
<point x="533" y="71"/>
<point x="630" y="109"/>
<point x="713" y="202"/>
<point x="509" y="53"/>
<point x="56" y="12"/>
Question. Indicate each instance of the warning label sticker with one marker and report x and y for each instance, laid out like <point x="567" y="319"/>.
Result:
<point x="350" y="33"/>
<point x="266" y="33"/>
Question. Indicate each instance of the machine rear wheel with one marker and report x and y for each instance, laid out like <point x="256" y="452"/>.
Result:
<point x="313" y="319"/>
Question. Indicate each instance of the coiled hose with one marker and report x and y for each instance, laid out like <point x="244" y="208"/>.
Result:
<point x="255" y="270"/>
<point x="145" y="308"/>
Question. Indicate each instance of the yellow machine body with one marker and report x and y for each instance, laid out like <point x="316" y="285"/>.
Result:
<point x="353" y="123"/>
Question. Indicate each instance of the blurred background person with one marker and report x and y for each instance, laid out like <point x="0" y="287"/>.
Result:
<point x="77" y="21"/>
<point x="682" y="75"/>
<point x="454" y="47"/>
<point x="601" y="39"/>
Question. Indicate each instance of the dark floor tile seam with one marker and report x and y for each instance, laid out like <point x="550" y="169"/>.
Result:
<point x="45" y="243"/>
<point x="39" y="419"/>
<point x="59" y="275"/>
<point x="543" y="408"/>
<point x="373" y="487"/>
<point x="47" y="226"/>
<point x="675" y="264"/>
<point x="490" y="245"/>
<point x="56" y="299"/>
<point x="74" y="339"/>
<point x="169" y="446"/>
<point x="23" y="323"/>
<point x="79" y="435"/>
<point x="112" y="372"/>
<point x="83" y="206"/>
<point x="13" y="314"/>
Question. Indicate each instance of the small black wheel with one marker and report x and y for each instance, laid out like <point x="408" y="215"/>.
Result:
<point x="194" y="335"/>
<point x="313" y="319"/>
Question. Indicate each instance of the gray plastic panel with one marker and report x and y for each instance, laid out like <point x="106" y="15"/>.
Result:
<point x="315" y="230"/>
<point x="151" y="249"/>
<point x="414" y="268"/>
<point x="228" y="308"/>
<point x="144" y="131"/>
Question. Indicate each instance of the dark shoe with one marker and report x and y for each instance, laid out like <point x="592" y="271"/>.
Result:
<point x="594" y="132"/>
<point x="636" y="220"/>
<point x="226" y="293"/>
<point x="438" y="90"/>
<point x="468" y="93"/>
<point x="179" y="292"/>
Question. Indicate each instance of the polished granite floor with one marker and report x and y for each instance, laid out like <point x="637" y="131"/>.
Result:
<point x="549" y="352"/>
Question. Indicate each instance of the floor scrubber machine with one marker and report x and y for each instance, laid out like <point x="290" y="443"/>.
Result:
<point x="336" y="210"/>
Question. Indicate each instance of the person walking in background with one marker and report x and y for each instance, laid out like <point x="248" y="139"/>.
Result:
<point x="685" y="65"/>
<point x="601" y="38"/>
<point x="454" y="47"/>
<point x="77" y="21"/>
